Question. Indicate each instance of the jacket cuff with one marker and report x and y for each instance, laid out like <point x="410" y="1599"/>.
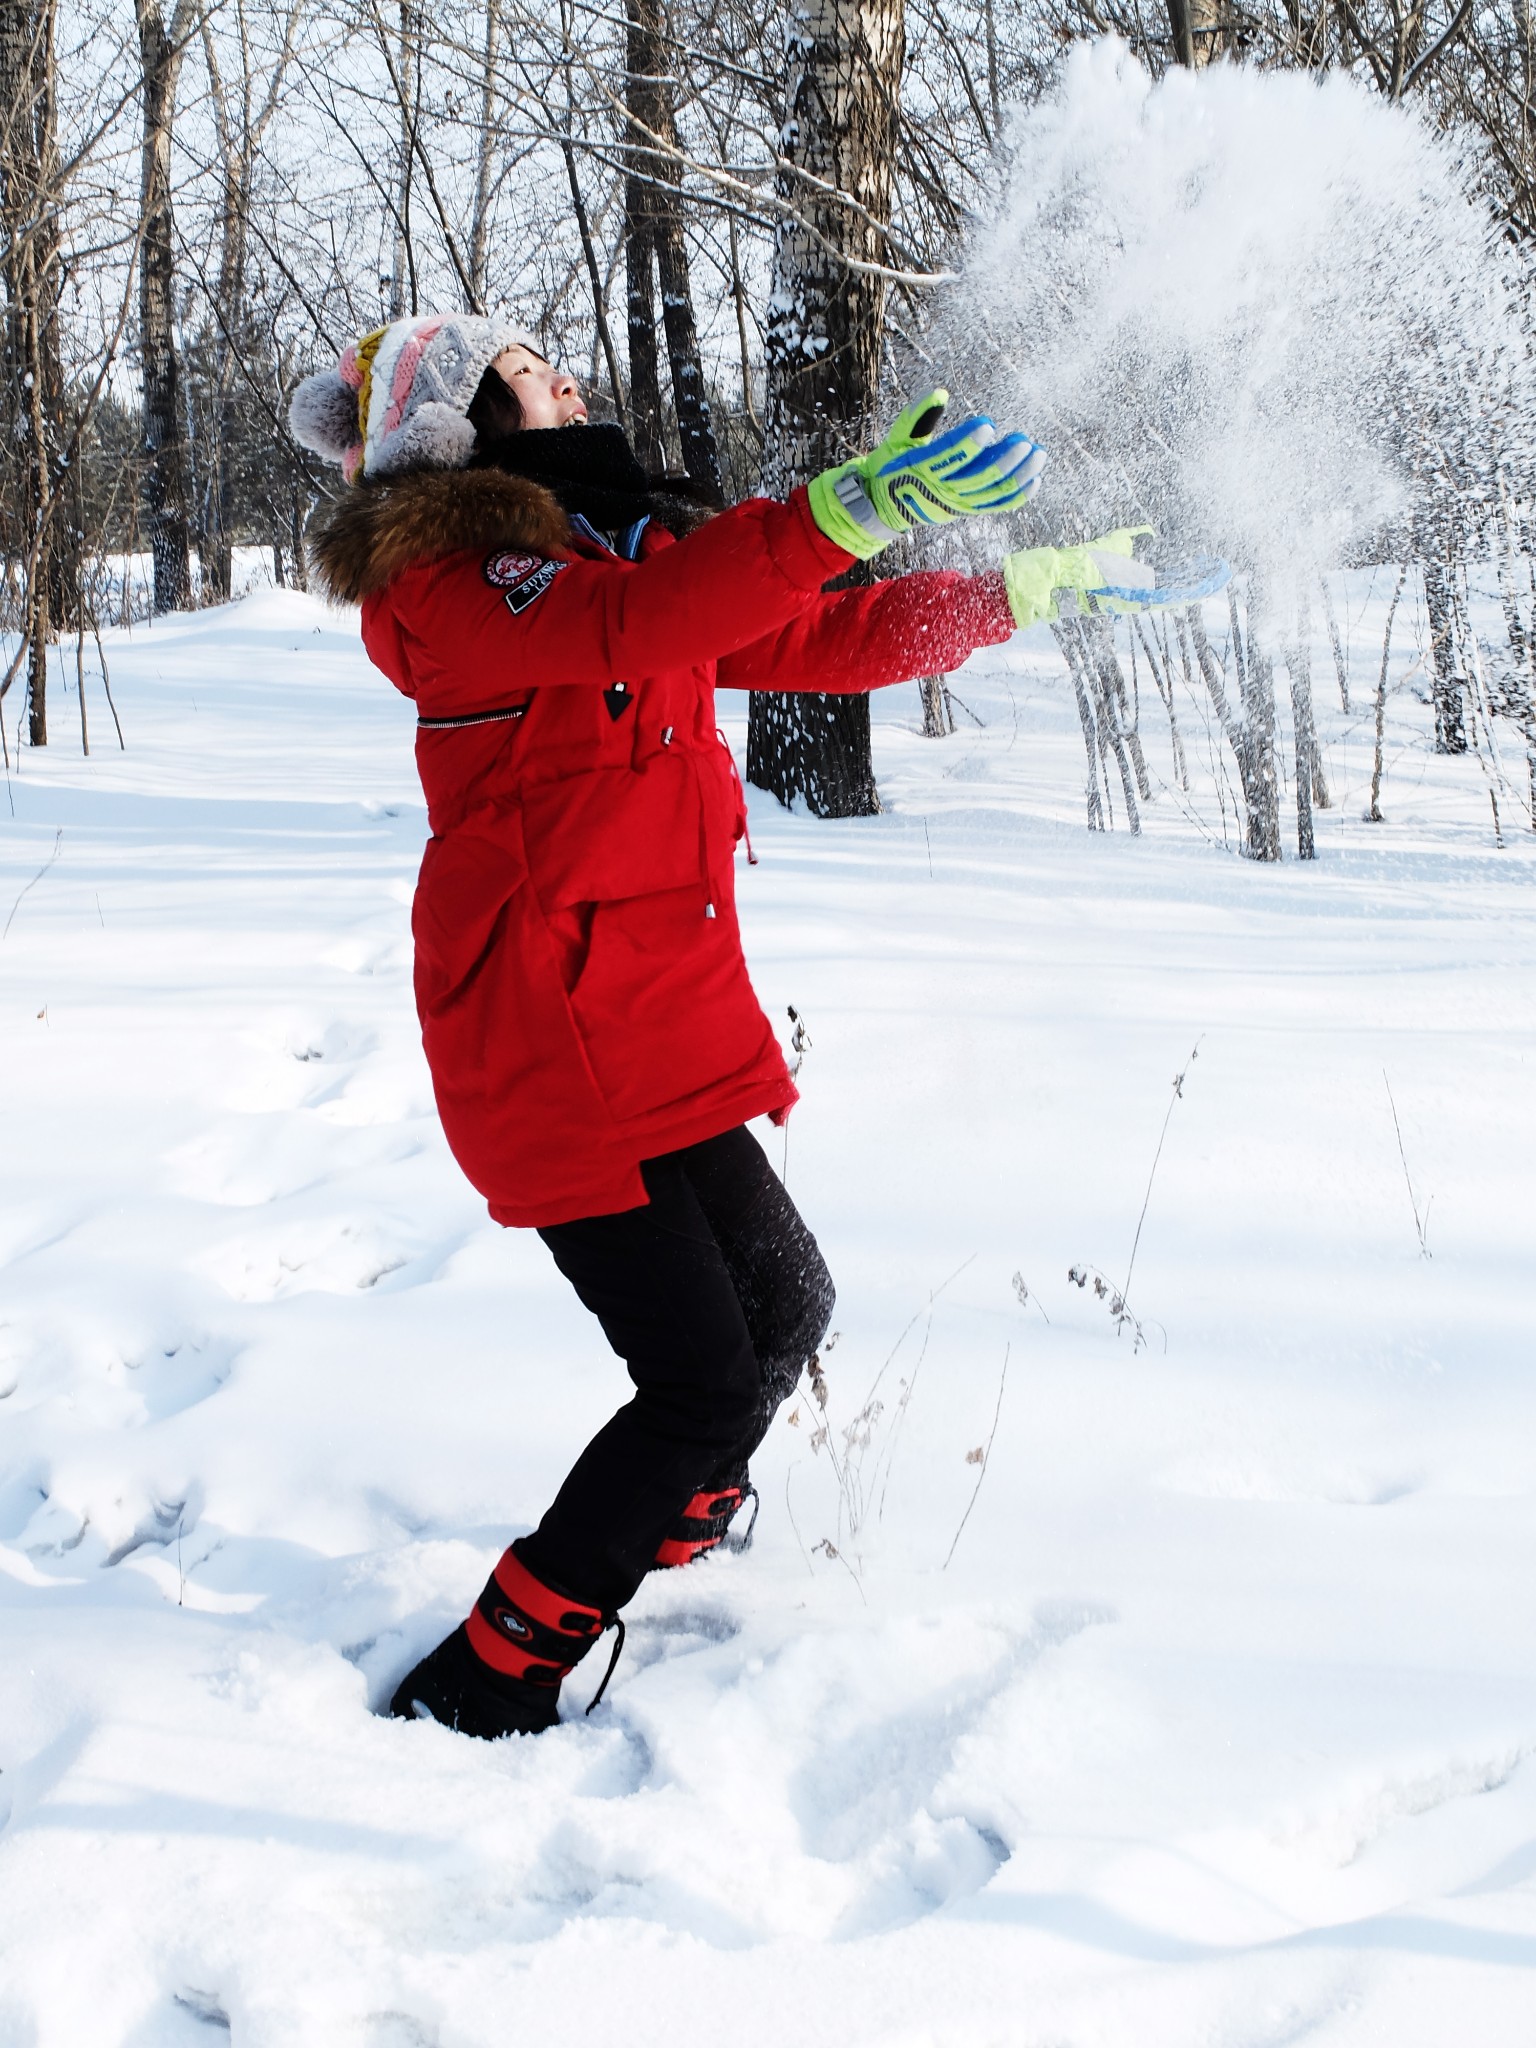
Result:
<point x="801" y="550"/>
<point x="991" y="615"/>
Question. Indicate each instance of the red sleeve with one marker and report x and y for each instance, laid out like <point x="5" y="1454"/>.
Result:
<point x="918" y="625"/>
<point x="737" y="578"/>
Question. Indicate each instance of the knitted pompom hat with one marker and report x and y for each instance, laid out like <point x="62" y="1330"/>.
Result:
<point x="397" y="399"/>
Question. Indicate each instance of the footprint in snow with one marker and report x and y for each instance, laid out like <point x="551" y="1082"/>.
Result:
<point x="199" y="2014"/>
<point x="160" y="1524"/>
<point x="331" y="1257"/>
<point x="870" y="1794"/>
<point x="22" y="1492"/>
<point x="171" y="1378"/>
<point x="654" y="1639"/>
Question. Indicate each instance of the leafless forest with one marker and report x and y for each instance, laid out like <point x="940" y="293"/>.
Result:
<point x="736" y="222"/>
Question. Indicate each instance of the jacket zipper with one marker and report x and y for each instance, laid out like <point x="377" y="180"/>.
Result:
<point x="500" y="716"/>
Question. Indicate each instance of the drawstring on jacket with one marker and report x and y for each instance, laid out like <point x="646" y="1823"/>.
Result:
<point x="741" y="792"/>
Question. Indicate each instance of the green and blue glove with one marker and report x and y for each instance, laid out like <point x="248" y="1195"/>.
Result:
<point x="919" y="477"/>
<point x="1034" y="576"/>
<point x="1103" y="575"/>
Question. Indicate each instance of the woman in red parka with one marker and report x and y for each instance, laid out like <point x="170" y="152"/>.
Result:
<point x="562" y="624"/>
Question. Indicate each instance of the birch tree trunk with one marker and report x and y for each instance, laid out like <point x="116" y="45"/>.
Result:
<point x="402" y="269"/>
<point x="29" y="173"/>
<point x="655" y="190"/>
<point x="1450" y="729"/>
<point x="240" y="125"/>
<point x="1086" y="640"/>
<point x="1196" y="36"/>
<point x="596" y="281"/>
<point x="165" y="484"/>
<point x="1065" y="632"/>
<point x="485" y="160"/>
<point x="1253" y="741"/>
<point x="844" y="63"/>
<point x="1307" y="768"/>
<point x="938" y="715"/>
<point x="1263" y="791"/>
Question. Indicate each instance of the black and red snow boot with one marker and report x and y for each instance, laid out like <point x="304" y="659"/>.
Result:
<point x="499" y="1672"/>
<point x="705" y="1522"/>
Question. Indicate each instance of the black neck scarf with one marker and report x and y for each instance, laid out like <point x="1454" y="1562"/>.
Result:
<point x="593" y="472"/>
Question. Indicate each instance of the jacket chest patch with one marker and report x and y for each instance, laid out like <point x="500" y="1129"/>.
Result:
<point x="522" y="577"/>
<point x="618" y="697"/>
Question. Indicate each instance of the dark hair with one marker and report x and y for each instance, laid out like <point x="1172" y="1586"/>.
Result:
<point x="494" y="411"/>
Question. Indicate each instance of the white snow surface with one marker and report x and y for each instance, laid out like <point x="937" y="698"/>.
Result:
<point x="1216" y="1729"/>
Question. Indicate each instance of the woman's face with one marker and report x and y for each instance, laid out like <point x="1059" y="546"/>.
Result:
<point x="548" y="397"/>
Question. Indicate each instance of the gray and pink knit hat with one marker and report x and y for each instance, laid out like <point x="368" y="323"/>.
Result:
<point x="397" y="399"/>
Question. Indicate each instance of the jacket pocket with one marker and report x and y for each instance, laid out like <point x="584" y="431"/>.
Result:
<point x="612" y="833"/>
<point x="514" y="1086"/>
<point x="468" y="882"/>
<point x="663" y="1003"/>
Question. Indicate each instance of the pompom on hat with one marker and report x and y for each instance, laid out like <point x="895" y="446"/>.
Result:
<point x="397" y="400"/>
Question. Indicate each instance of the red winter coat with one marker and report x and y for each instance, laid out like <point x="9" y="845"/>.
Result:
<point x="583" y="997"/>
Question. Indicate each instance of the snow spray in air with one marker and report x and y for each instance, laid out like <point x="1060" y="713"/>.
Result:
<point x="1257" y="310"/>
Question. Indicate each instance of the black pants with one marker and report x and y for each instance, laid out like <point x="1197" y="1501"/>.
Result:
<point x="715" y="1296"/>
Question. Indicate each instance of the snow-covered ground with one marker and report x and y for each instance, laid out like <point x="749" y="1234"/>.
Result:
<point x="1216" y="1726"/>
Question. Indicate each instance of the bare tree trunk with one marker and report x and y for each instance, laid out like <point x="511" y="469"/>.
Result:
<point x="62" y="578"/>
<point x="296" y="554"/>
<point x="485" y="158"/>
<point x="1088" y="637"/>
<point x="994" y="80"/>
<point x="1067" y="641"/>
<point x="1373" y="814"/>
<point x="645" y="423"/>
<point x="1446" y="683"/>
<point x="1098" y="634"/>
<point x="1259" y="719"/>
<point x="240" y="126"/>
<point x="1256" y="680"/>
<point x="645" y="427"/>
<point x="1251" y="738"/>
<point x="216" y="549"/>
<point x="1161" y="665"/>
<point x="1301" y="655"/>
<point x="938" y="713"/>
<point x="1196" y="35"/>
<point x="739" y="294"/>
<point x="844" y="63"/>
<point x="39" y="624"/>
<point x="1336" y="643"/>
<point x="47" y="544"/>
<point x="1311" y="785"/>
<point x="594" y="279"/>
<point x="1306" y="749"/>
<point x="165" y="480"/>
<point x="657" y="173"/>
<point x="695" y="423"/>
<point x="1237" y="735"/>
<point x="1506" y="549"/>
<point x="403" y="296"/>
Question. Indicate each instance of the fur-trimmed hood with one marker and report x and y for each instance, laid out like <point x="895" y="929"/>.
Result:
<point x="374" y="530"/>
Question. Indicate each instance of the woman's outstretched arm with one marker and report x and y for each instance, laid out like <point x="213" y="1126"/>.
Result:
<point x="742" y="576"/>
<point x="922" y="624"/>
